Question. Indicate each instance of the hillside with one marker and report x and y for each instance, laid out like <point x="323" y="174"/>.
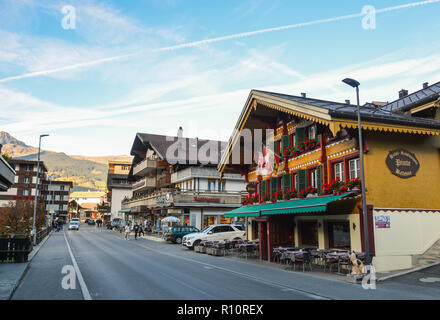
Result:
<point x="87" y="173"/>
<point x="104" y="159"/>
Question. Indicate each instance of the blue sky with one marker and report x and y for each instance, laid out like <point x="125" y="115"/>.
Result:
<point x="55" y="81"/>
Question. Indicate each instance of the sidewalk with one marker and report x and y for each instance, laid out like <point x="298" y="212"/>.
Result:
<point x="12" y="273"/>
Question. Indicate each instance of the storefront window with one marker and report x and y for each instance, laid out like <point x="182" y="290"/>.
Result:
<point x="339" y="235"/>
<point x="339" y="170"/>
<point x="355" y="168"/>
<point x="309" y="233"/>
<point x="209" y="220"/>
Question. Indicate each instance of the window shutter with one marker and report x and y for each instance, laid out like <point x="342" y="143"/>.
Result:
<point x="285" y="142"/>
<point x="273" y="185"/>
<point x="302" y="179"/>
<point x="300" y="134"/>
<point x="319" y="178"/>
<point x="263" y="187"/>
<point x="286" y="182"/>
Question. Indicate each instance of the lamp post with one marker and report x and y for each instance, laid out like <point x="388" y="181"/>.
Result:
<point x="36" y="189"/>
<point x="355" y="84"/>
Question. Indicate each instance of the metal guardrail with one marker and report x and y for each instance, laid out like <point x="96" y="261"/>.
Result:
<point x="42" y="234"/>
<point x="16" y="247"/>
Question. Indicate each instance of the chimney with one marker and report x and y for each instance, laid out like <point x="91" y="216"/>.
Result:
<point x="347" y="101"/>
<point x="303" y="94"/>
<point x="179" y="137"/>
<point x="425" y="85"/>
<point x="403" y="93"/>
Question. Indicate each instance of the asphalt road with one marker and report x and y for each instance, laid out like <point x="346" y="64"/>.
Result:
<point x="113" y="268"/>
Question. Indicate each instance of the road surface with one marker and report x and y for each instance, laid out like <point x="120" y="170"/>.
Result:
<point x="108" y="267"/>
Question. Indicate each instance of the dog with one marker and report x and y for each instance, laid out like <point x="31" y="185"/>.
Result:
<point x="358" y="266"/>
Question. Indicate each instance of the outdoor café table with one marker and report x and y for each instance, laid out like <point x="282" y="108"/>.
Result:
<point x="248" y="247"/>
<point x="291" y="255"/>
<point x="339" y="256"/>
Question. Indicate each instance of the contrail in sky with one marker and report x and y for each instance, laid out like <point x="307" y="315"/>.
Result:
<point x="212" y="40"/>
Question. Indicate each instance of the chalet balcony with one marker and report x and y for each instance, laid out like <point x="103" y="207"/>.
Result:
<point x="177" y="198"/>
<point x="144" y="183"/>
<point x="197" y="172"/>
<point x="146" y="166"/>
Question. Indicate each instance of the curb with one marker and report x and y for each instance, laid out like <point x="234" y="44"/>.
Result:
<point x="408" y="271"/>
<point x="30" y="257"/>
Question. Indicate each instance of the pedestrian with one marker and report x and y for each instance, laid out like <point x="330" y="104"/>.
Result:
<point x="127" y="232"/>
<point x="141" y="230"/>
<point x="136" y="230"/>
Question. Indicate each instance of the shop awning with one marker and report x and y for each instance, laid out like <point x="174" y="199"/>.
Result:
<point x="124" y="211"/>
<point x="317" y="204"/>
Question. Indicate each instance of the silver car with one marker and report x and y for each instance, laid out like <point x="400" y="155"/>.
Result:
<point x="74" y="225"/>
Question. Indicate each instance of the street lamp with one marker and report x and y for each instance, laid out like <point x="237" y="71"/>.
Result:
<point x="36" y="189"/>
<point x="355" y="84"/>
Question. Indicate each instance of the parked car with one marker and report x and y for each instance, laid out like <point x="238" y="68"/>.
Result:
<point x="74" y="225"/>
<point x="176" y="234"/>
<point x="239" y="225"/>
<point x="75" y="219"/>
<point x="216" y="232"/>
<point x="91" y="222"/>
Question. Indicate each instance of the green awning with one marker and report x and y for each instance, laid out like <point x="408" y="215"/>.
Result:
<point x="316" y="204"/>
<point x="124" y="210"/>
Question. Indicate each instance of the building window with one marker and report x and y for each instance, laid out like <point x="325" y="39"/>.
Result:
<point x="125" y="167"/>
<point x="295" y="181"/>
<point x="60" y="207"/>
<point x="26" y="179"/>
<point x="312" y="132"/>
<point x="292" y="140"/>
<point x="221" y="186"/>
<point x="355" y="168"/>
<point x="314" y="178"/>
<point x="211" y="185"/>
<point x="62" y="188"/>
<point x="339" y="170"/>
<point x="25" y="192"/>
<point x="29" y="167"/>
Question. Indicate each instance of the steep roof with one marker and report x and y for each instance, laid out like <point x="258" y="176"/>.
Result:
<point x="368" y="112"/>
<point x="335" y="115"/>
<point x="414" y="99"/>
<point x="162" y="145"/>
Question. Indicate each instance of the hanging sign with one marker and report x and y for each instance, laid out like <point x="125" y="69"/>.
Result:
<point x="251" y="188"/>
<point x="402" y="163"/>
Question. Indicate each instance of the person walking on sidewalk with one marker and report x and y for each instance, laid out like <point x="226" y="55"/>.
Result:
<point x="141" y="230"/>
<point x="127" y="232"/>
<point x="136" y="230"/>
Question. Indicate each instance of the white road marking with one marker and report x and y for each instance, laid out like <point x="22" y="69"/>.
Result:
<point x="267" y="282"/>
<point x="84" y="290"/>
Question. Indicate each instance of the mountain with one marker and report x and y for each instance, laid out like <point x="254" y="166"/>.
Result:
<point x="87" y="173"/>
<point x="15" y="147"/>
<point x="104" y="159"/>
